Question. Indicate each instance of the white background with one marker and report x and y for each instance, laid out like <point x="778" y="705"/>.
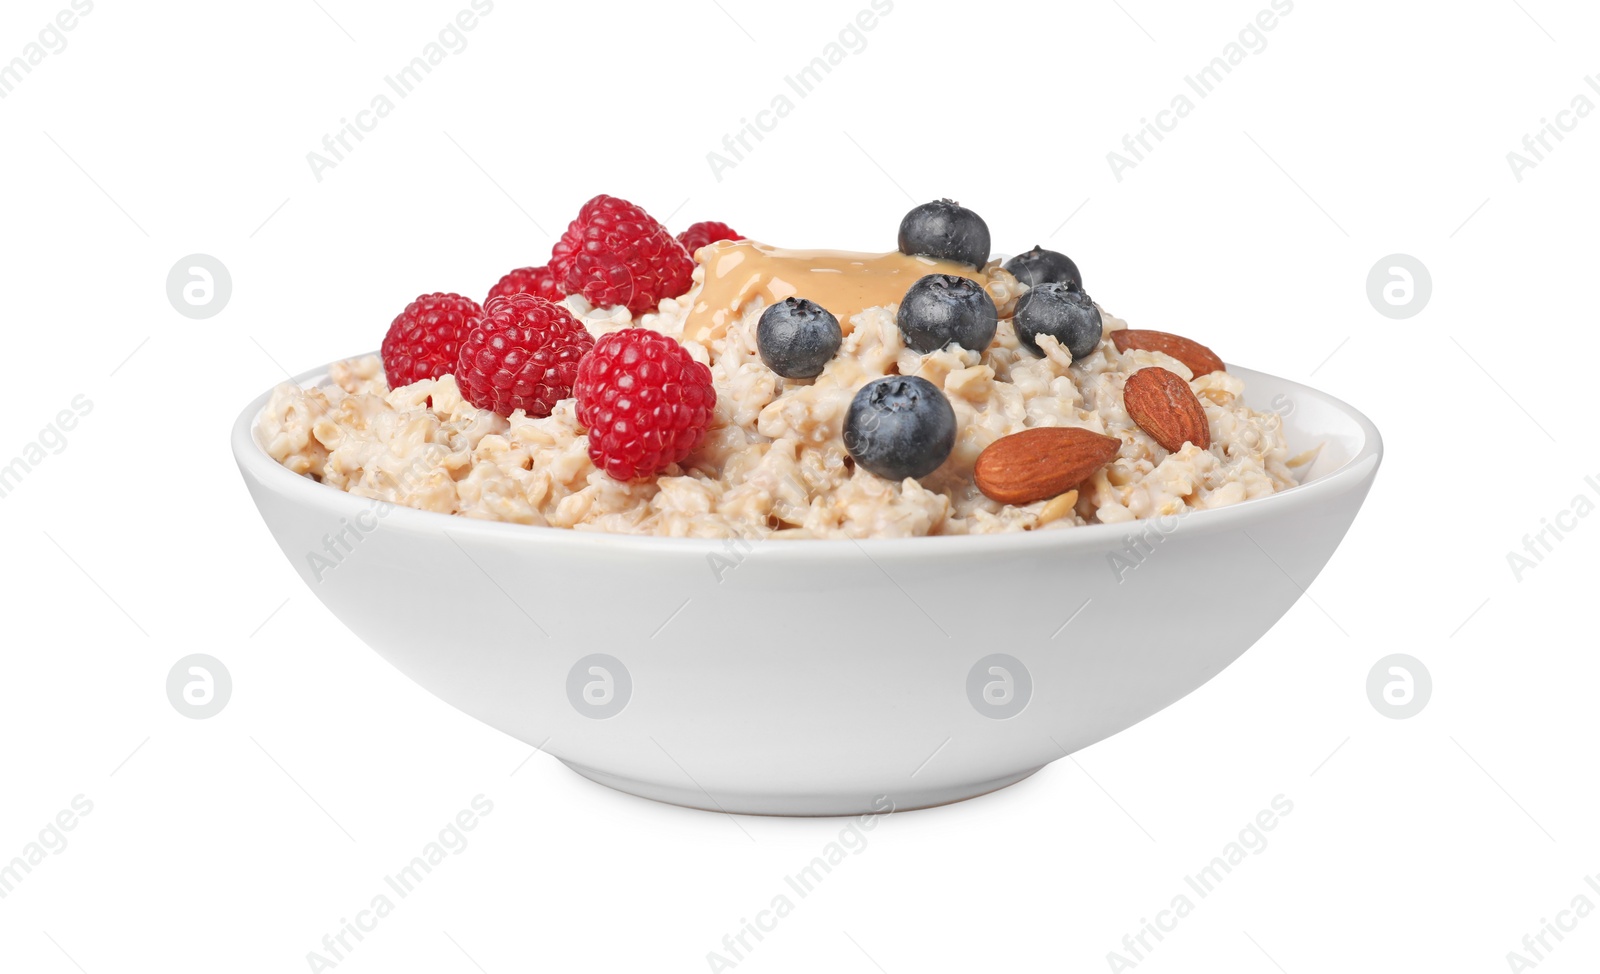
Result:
<point x="1362" y="129"/>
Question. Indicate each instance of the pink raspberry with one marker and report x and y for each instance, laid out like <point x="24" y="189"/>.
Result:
<point x="615" y="253"/>
<point x="521" y="353"/>
<point x="538" y="281"/>
<point x="706" y="232"/>
<point x="645" y="402"/>
<point x="424" y="340"/>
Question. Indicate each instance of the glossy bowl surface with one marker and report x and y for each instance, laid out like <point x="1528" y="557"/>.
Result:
<point x="826" y="676"/>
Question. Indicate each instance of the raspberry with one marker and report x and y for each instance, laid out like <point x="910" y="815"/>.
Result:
<point x="521" y="353"/>
<point x="706" y="232"/>
<point x="538" y="281"/>
<point x="614" y="254"/>
<point x="423" y="340"/>
<point x="645" y="402"/>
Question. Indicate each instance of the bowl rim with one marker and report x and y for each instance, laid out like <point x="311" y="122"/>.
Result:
<point x="255" y="463"/>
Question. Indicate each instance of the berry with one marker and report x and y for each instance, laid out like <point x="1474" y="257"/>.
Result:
<point x="538" y="281"/>
<point x="706" y="232"/>
<point x="1062" y="311"/>
<point x="945" y="230"/>
<point x="1039" y="266"/>
<point x="900" y="426"/>
<point x="424" y="340"/>
<point x="944" y="308"/>
<point x="797" y="338"/>
<point x="521" y="353"/>
<point x="645" y="402"/>
<point x="615" y="254"/>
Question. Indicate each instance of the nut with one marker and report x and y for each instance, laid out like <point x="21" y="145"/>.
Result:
<point x="1041" y="462"/>
<point x="1165" y="407"/>
<point x="1199" y="359"/>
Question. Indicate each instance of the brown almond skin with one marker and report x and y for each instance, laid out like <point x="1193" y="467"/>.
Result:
<point x="1199" y="359"/>
<point x="1164" y="406"/>
<point x="1040" y="463"/>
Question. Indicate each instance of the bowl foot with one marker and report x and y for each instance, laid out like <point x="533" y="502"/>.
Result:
<point x="798" y="803"/>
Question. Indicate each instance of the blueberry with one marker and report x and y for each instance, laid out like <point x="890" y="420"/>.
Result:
<point x="945" y="230"/>
<point x="1039" y="266"/>
<point x="900" y="426"/>
<point x="944" y="308"/>
<point x="1062" y="311"/>
<point x="797" y="338"/>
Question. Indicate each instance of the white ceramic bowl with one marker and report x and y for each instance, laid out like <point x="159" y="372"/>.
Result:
<point x="821" y="677"/>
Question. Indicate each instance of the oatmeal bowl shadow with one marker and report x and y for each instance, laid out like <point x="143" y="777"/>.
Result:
<point x="819" y="677"/>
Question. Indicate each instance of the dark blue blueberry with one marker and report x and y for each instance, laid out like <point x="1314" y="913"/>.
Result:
<point x="797" y="338"/>
<point x="944" y="308"/>
<point x="900" y="426"/>
<point x="1061" y="311"/>
<point x="1039" y="266"/>
<point x="945" y="230"/>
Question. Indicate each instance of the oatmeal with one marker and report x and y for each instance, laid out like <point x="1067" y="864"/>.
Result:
<point x="773" y="459"/>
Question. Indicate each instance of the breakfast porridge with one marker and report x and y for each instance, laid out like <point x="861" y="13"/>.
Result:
<point x="752" y="391"/>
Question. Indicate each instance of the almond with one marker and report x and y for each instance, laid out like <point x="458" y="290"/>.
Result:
<point x="1165" y="407"/>
<point x="1199" y="359"/>
<point x="1042" y="462"/>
